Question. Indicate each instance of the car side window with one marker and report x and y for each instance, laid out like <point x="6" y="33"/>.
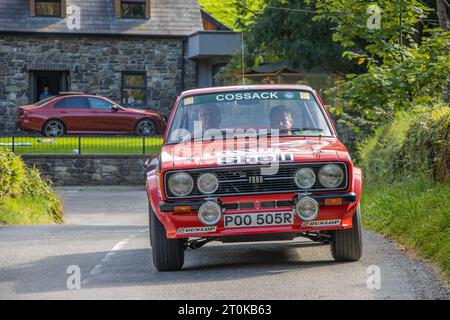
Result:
<point x="77" y="103"/>
<point x="100" y="104"/>
<point x="60" y="104"/>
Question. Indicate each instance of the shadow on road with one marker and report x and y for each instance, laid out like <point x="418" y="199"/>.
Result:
<point x="135" y="267"/>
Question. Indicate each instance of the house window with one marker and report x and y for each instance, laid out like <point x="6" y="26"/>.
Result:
<point x="48" y="8"/>
<point x="133" y="89"/>
<point x="133" y="9"/>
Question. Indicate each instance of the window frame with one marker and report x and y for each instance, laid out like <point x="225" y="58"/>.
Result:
<point x="119" y="13"/>
<point x="101" y="99"/>
<point x="132" y="87"/>
<point x="179" y="105"/>
<point x="33" y="9"/>
<point x="144" y="3"/>
<point x="77" y="97"/>
<point x="60" y="102"/>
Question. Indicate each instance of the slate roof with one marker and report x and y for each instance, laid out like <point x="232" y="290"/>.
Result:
<point x="168" y="17"/>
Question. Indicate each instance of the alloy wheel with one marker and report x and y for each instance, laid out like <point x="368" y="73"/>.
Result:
<point x="54" y="129"/>
<point x="145" y="128"/>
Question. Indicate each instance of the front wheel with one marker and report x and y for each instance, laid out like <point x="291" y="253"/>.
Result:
<point x="346" y="245"/>
<point x="168" y="254"/>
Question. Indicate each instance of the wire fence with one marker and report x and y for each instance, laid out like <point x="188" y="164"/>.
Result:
<point x="81" y="145"/>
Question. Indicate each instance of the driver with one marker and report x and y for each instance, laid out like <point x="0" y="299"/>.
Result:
<point x="209" y="115"/>
<point x="281" y="119"/>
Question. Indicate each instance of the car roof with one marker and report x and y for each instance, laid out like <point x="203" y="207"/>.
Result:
<point x="245" y="88"/>
<point x="77" y="94"/>
<point x="70" y="93"/>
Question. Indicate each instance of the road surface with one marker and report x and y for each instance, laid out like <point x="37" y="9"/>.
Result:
<point x="107" y="238"/>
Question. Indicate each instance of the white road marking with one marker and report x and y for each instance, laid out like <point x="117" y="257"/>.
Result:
<point x="119" y="246"/>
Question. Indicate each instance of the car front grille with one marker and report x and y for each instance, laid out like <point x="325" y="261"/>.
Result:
<point x="239" y="180"/>
<point x="262" y="205"/>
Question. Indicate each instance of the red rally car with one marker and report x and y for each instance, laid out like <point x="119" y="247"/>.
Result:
<point x="252" y="163"/>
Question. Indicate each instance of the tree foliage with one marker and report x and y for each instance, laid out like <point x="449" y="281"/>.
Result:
<point x="235" y="14"/>
<point x="402" y="64"/>
<point x="405" y="67"/>
<point x="286" y="30"/>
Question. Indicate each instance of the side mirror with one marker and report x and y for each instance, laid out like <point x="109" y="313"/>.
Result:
<point x="151" y="164"/>
<point x="114" y="108"/>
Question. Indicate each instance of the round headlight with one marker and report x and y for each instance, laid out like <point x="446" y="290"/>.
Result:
<point x="307" y="209"/>
<point x="181" y="184"/>
<point x="210" y="213"/>
<point x="207" y="183"/>
<point x="305" y="178"/>
<point x="331" y="176"/>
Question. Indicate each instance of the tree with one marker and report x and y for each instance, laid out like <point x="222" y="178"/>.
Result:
<point x="231" y="12"/>
<point x="402" y="72"/>
<point x="286" y="31"/>
<point x="441" y="11"/>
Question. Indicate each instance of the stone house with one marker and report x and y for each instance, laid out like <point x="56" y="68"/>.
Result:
<point x="139" y="53"/>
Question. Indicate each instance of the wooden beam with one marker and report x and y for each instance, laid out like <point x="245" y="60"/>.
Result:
<point x="32" y="6"/>
<point x="63" y="8"/>
<point x="117" y="8"/>
<point x="148" y="9"/>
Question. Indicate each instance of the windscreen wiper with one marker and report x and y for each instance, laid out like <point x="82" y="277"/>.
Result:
<point x="269" y="132"/>
<point x="302" y="129"/>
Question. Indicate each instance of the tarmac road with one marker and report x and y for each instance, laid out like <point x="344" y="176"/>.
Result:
<point x="106" y="236"/>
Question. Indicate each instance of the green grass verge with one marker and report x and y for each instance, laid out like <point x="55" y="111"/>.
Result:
<point x="25" y="211"/>
<point x="25" y="198"/>
<point x="414" y="212"/>
<point x="94" y="145"/>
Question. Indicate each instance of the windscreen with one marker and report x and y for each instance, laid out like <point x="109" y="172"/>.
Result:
<point x="289" y="113"/>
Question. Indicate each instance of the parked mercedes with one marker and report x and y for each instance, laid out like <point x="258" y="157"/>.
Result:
<point x="77" y="113"/>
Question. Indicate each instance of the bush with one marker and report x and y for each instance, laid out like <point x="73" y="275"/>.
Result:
<point x="25" y="198"/>
<point x="415" y="143"/>
<point x="427" y="145"/>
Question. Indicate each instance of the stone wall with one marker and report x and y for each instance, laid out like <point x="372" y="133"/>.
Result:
<point x="67" y="170"/>
<point x="95" y="65"/>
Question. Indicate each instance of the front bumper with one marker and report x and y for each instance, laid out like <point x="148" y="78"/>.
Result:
<point x="195" y="205"/>
<point x="187" y="224"/>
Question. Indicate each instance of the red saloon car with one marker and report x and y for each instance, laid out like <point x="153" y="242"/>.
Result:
<point x="69" y="113"/>
<point x="252" y="163"/>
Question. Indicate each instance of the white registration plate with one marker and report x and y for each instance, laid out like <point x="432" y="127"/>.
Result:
<point x="258" y="219"/>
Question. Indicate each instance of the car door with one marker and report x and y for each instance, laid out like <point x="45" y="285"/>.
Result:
<point x="74" y="112"/>
<point x="105" y="117"/>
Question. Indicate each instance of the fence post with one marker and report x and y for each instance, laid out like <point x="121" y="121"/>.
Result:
<point x="13" y="143"/>
<point x="79" y="144"/>
<point x="143" y="145"/>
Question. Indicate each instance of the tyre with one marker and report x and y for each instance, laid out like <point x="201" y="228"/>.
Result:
<point x="346" y="245"/>
<point x="168" y="254"/>
<point x="145" y="128"/>
<point x="54" y="128"/>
